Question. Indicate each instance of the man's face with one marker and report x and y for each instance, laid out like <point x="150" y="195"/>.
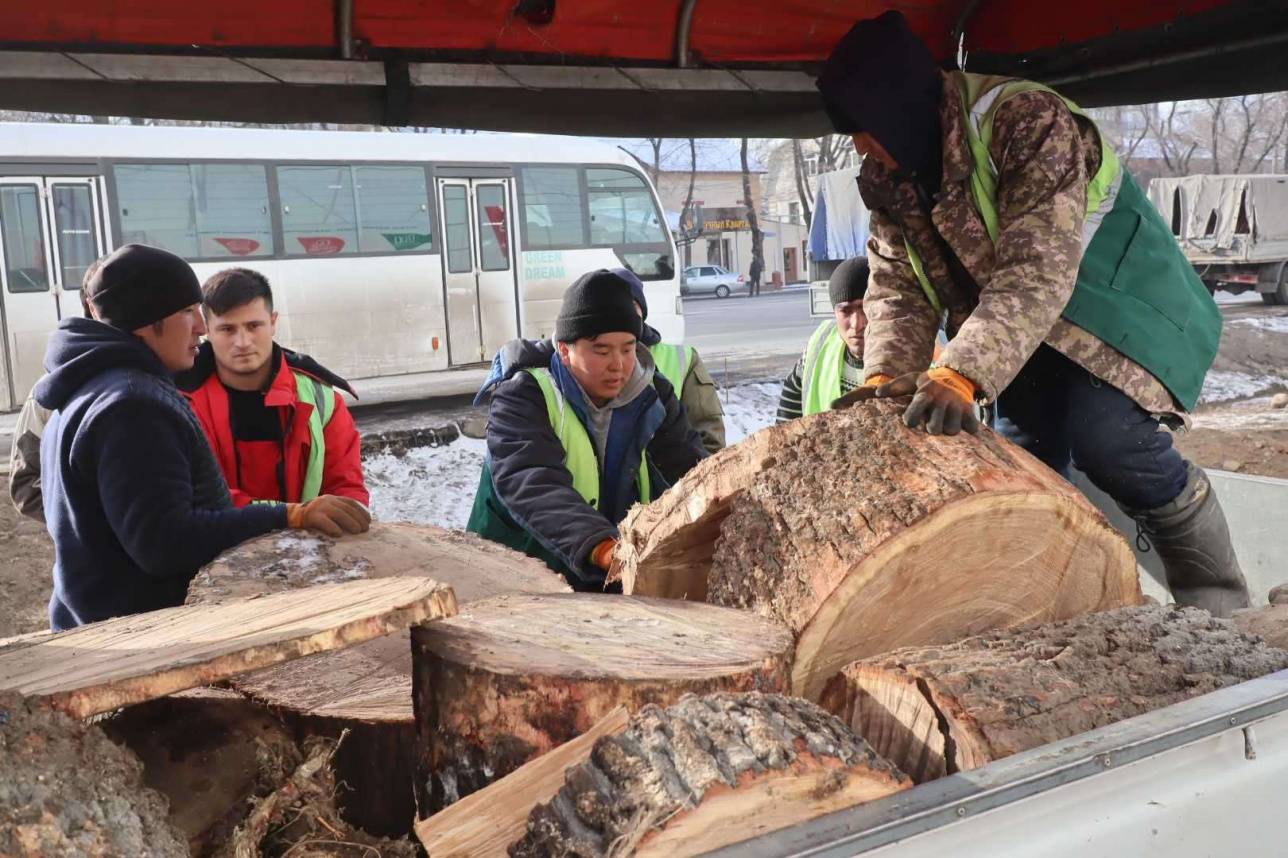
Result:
<point x="602" y="365"/>
<point x="242" y="338"/>
<point x="175" y="338"/>
<point x="866" y="145"/>
<point x="852" y="322"/>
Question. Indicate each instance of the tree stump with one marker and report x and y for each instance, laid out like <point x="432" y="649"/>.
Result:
<point x="937" y="710"/>
<point x="706" y="773"/>
<point x="520" y="675"/>
<point x="365" y="689"/>
<point x="862" y="536"/>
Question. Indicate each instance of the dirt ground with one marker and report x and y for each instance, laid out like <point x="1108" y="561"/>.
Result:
<point x="26" y="563"/>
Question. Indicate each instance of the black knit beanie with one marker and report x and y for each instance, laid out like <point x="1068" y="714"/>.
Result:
<point x="637" y="288"/>
<point x="849" y="282"/>
<point x="882" y="79"/>
<point x="597" y="303"/>
<point x="138" y="285"/>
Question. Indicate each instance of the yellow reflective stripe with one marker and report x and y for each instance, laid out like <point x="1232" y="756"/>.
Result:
<point x="579" y="451"/>
<point x="914" y="259"/>
<point x="322" y="397"/>
<point x="821" y="375"/>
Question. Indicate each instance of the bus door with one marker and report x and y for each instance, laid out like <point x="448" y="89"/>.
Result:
<point x="50" y="232"/>
<point x="481" y="292"/>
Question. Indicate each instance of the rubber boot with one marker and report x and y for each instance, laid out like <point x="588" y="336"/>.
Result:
<point x="1192" y="539"/>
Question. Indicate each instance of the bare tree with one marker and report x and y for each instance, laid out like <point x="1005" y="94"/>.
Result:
<point x="802" y="183"/>
<point x="753" y="220"/>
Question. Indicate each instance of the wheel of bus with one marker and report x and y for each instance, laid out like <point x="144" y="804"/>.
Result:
<point x="722" y="291"/>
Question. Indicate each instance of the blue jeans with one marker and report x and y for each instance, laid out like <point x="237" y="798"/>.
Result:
<point x="1060" y="413"/>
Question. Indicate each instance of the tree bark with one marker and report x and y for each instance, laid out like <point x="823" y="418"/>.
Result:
<point x="937" y="710"/>
<point x="753" y="219"/>
<point x="861" y="536"/>
<point x="802" y="183"/>
<point x="520" y="675"/>
<point x="365" y="689"/>
<point x="705" y="773"/>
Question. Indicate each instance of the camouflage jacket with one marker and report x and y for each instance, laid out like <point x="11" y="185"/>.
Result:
<point x="1045" y="157"/>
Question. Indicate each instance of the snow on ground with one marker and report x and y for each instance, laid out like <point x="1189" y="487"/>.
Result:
<point x="429" y="485"/>
<point x="1273" y="324"/>
<point x="1222" y="386"/>
<point x="436" y="485"/>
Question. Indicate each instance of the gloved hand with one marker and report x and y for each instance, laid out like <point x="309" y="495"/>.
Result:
<point x="862" y="393"/>
<point x="944" y="401"/>
<point x="602" y="555"/>
<point x="332" y="515"/>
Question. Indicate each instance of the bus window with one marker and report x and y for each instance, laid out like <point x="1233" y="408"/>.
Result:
<point x="319" y="213"/>
<point x="494" y="243"/>
<point x="199" y="211"/>
<point x="24" y="242"/>
<point x="552" y="213"/>
<point x="621" y="209"/>
<point x="393" y="209"/>
<point x="157" y="207"/>
<point x="456" y="227"/>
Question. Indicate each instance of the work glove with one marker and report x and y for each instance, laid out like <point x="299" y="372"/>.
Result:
<point x="332" y="515"/>
<point x="862" y="393"/>
<point x="943" y="399"/>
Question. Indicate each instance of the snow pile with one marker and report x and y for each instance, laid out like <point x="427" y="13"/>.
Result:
<point x="1272" y="324"/>
<point x="436" y="485"/>
<point x="1222" y="386"/>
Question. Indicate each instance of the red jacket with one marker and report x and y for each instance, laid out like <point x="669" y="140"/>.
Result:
<point x="251" y="467"/>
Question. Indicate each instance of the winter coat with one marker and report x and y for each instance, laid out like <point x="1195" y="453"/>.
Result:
<point x="24" y="460"/>
<point x="283" y="466"/>
<point x="133" y="498"/>
<point x="526" y="495"/>
<point x="1045" y="157"/>
<point x="697" y="392"/>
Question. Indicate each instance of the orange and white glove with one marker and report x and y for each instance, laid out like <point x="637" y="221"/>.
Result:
<point x="862" y="393"/>
<point x="602" y="555"/>
<point x="330" y="514"/>
<point x="944" y="401"/>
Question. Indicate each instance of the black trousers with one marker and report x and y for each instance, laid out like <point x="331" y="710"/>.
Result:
<point x="1061" y="413"/>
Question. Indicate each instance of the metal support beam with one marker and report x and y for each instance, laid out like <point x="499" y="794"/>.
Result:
<point x="344" y="27"/>
<point x="683" y="29"/>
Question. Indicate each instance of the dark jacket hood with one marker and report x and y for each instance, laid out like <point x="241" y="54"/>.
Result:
<point x="512" y="357"/>
<point x="650" y="336"/>
<point x="882" y="80"/>
<point x="204" y="367"/>
<point x="80" y="349"/>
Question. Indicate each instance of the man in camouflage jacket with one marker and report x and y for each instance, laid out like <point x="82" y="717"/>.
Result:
<point x="1060" y="391"/>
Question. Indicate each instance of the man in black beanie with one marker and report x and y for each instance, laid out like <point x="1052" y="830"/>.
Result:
<point x="1002" y="214"/>
<point x="579" y="429"/>
<point x="832" y="363"/>
<point x="133" y="498"/>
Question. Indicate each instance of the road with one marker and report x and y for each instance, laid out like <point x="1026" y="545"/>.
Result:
<point x="750" y="337"/>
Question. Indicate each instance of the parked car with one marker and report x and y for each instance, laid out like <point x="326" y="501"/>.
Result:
<point x="711" y="280"/>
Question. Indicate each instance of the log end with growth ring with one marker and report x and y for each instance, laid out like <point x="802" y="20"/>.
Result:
<point x="942" y="709"/>
<point x="861" y="536"/>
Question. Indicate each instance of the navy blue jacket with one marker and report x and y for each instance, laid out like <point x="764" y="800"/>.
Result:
<point x="134" y="499"/>
<point x="526" y="459"/>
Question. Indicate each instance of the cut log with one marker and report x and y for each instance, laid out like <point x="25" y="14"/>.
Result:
<point x="937" y="710"/>
<point x="365" y="689"/>
<point x="513" y="677"/>
<point x="484" y="823"/>
<point x="862" y="536"/>
<point x="103" y="666"/>
<point x="209" y="752"/>
<point x="1269" y="623"/>
<point x="706" y="773"/>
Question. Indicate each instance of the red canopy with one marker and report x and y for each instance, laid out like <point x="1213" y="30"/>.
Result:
<point x="422" y="61"/>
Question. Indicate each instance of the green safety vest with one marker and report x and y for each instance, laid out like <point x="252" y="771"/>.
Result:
<point x="488" y="517"/>
<point x="1135" y="291"/>
<point x="821" y="375"/>
<point x="673" y="362"/>
<point x="322" y="397"/>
